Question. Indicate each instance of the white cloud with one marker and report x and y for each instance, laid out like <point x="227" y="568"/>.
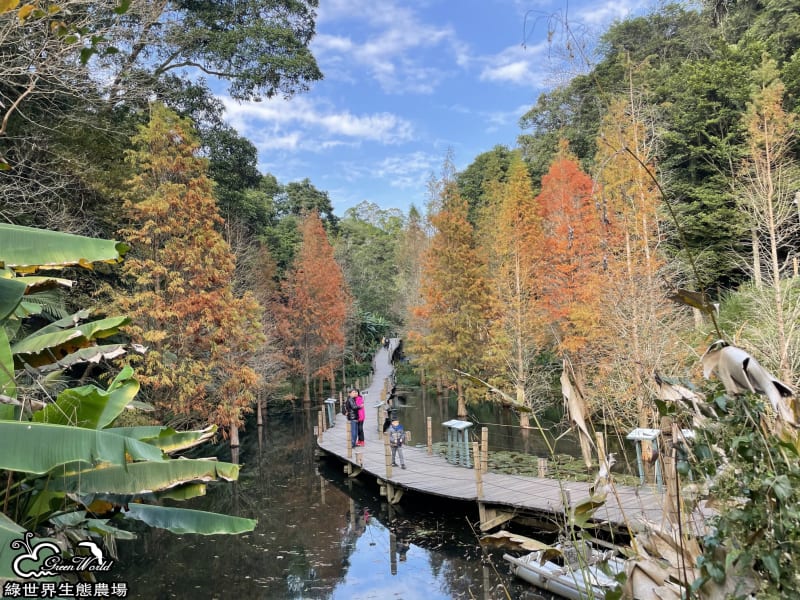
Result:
<point x="389" y="41"/>
<point x="289" y="141"/>
<point x="521" y="66"/>
<point x="409" y="171"/>
<point x="601" y="15"/>
<point x="300" y="123"/>
<point x="515" y="72"/>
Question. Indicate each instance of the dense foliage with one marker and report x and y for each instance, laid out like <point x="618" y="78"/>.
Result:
<point x="665" y="169"/>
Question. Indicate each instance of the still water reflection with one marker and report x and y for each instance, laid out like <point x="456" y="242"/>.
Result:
<point x="319" y="535"/>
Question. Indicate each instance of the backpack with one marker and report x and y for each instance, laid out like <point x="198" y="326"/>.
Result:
<point x="397" y="436"/>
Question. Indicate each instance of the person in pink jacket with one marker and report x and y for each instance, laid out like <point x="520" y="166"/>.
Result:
<point x="362" y="415"/>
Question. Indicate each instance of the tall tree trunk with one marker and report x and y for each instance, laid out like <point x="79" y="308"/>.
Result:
<point x="462" y="405"/>
<point x="756" y="258"/>
<point x="307" y="390"/>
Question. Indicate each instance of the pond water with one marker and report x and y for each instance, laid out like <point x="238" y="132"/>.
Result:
<point x="322" y="535"/>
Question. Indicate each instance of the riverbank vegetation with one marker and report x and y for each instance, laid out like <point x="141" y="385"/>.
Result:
<point x="649" y="208"/>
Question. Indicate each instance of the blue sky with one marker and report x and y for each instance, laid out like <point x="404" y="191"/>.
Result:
<point x="406" y="80"/>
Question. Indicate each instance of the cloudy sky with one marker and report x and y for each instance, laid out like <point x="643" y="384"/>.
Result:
<point x="408" y="80"/>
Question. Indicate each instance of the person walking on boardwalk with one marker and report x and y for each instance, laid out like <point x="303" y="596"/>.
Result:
<point x="351" y="410"/>
<point x="397" y="438"/>
<point x="362" y="415"/>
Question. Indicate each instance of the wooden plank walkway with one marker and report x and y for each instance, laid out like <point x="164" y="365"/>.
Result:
<point x="504" y="496"/>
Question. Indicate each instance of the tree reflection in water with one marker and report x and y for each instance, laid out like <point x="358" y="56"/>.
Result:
<point x="319" y="535"/>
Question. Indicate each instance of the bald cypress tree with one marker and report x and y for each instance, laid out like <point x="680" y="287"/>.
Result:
<point x="198" y="334"/>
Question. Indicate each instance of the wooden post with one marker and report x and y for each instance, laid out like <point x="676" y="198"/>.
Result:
<point x="484" y="449"/>
<point x="430" y="437"/>
<point x="476" y="453"/>
<point x="387" y="452"/>
<point x="542" y="467"/>
<point x="320" y="426"/>
<point x="349" y="435"/>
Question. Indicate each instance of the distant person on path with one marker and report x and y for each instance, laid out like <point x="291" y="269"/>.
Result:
<point x="397" y="438"/>
<point x="386" y="343"/>
<point x="362" y="415"/>
<point x="351" y="410"/>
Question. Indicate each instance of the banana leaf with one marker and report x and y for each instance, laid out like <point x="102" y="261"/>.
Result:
<point x="184" y="492"/>
<point x="92" y="354"/>
<point x="185" y="520"/>
<point x="576" y="409"/>
<point x="41" y="348"/>
<point x="11" y="293"/>
<point x="144" y="477"/>
<point x="8" y="386"/>
<point x="10" y="531"/>
<point x="167" y="438"/>
<point x="40" y="447"/>
<point x="40" y="283"/>
<point x="698" y="300"/>
<point x="26" y="249"/>
<point x="89" y="406"/>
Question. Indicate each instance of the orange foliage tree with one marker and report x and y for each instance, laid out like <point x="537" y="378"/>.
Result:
<point x="637" y="337"/>
<point x="313" y="308"/>
<point x="572" y="260"/>
<point x="452" y="322"/>
<point x="514" y="230"/>
<point x="199" y="336"/>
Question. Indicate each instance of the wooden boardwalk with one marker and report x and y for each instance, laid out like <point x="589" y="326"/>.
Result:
<point x="504" y="497"/>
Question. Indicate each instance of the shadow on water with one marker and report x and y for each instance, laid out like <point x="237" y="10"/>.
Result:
<point x="319" y="535"/>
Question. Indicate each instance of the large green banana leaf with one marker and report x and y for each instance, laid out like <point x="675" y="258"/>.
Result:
<point x="40" y="447"/>
<point x="25" y="249"/>
<point x="167" y="438"/>
<point x="185" y="520"/>
<point x="8" y="386"/>
<point x="11" y="293"/>
<point x="144" y="477"/>
<point x="89" y="406"/>
<point x="9" y="531"/>
<point x="184" y="492"/>
<point x="78" y="520"/>
<point x="41" y="348"/>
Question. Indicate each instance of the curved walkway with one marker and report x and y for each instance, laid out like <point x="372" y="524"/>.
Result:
<point x="432" y="474"/>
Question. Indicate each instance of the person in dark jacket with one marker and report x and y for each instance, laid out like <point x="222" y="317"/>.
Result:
<point x="397" y="437"/>
<point x="351" y="409"/>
